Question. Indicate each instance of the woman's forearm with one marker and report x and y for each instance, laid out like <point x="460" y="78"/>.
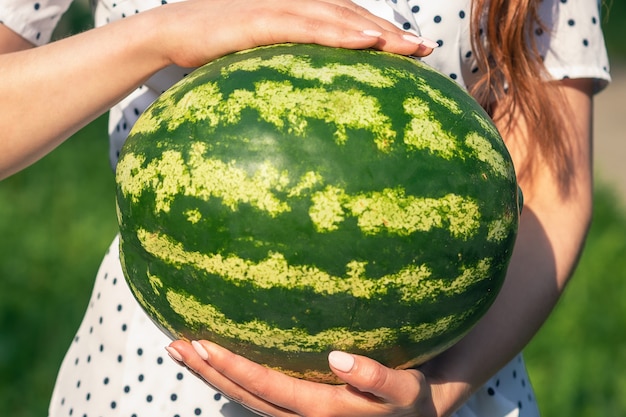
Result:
<point x="48" y="93"/>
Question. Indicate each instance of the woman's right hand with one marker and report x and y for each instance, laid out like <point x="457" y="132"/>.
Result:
<point x="195" y="32"/>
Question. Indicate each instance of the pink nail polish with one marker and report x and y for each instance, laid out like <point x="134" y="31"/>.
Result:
<point x="373" y="33"/>
<point x="413" y="39"/>
<point x="200" y="350"/>
<point x="429" y="43"/>
<point x="174" y="354"/>
<point x="341" y="361"/>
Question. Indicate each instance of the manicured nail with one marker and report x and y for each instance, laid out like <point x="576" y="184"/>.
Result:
<point x="373" y="33"/>
<point x="430" y="43"/>
<point x="200" y="350"/>
<point x="341" y="361"/>
<point x="174" y="354"/>
<point x="413" y="39"/>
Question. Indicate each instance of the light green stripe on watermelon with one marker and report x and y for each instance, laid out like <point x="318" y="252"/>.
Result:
<point x="205" y="178"/>
<point x="172" y="176"/>
<point x="414" y="282"/>
<point x="280" y="104"/>
<point x="301" y="68"/>
<point x="485" y="152"/>
<point x="260" y="333"/>
<point x="438" y="96"/>
<point x="425" y="132"/>
<point x="392" y="211"/>
<point x="499" y="229"/>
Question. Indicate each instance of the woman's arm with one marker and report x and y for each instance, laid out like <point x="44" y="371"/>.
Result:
<point x="50" y="92"/>
<point x="553" y="227"/>
<point x="554" y="224"/>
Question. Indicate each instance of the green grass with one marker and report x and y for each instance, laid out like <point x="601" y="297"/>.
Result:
<point x="56" y="221"/>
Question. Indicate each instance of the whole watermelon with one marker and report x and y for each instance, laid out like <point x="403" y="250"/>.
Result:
<point x="290" y="200"/>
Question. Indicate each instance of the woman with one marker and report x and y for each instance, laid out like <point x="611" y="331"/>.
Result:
<point x="115" y="365"/>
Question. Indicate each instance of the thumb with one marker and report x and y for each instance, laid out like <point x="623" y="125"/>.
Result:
<point x="399" y="387"/>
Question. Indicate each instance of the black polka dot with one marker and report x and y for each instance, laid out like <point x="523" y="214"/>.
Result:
<point x="197" y="411"/>
<point x="491" y="391"/>
<point x="437" y="19"/>
<point x="36" y="6"/>
<point x="173" y="397"/>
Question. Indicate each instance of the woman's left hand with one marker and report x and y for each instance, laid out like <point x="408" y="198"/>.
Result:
<point x="371" y="389"/>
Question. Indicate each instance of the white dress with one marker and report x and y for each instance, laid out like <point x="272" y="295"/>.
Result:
<point x="116" y="365"/>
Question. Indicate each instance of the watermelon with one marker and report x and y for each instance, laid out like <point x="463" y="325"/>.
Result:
<point x="290" y="200"/>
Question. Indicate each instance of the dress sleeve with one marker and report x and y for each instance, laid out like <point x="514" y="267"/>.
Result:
<point x="34" y="20"/>
<point x="572" y="42"/>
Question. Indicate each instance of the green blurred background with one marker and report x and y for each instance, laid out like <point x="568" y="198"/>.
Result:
<point x="57" y="219"/>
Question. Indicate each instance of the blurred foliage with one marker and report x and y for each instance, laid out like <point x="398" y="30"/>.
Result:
<point x="57" y="219"/>
<point x="614" y="26"/>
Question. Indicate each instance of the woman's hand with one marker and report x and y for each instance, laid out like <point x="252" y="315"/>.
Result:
<point x="217" y="27"/>
<point x="371" y="389"/>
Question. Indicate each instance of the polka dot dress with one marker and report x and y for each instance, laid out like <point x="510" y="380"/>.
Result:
<point x="116" y="365"/>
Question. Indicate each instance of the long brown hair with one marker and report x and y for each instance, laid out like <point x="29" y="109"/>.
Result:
<point x="513" y="74"/>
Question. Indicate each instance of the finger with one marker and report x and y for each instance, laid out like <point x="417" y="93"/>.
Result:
<point x="402" y="388"/>
<point x="392" y="36"/>
<point x="200" y="366"/>
<point x="334" y="24"/>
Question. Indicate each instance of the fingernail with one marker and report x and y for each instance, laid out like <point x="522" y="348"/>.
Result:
<point x="373" y="33"/>
<point x="341" y="361"/>
<point x="174" y="354"/>
<point x="200" y="350"/>
<point x="413" y="39"/>
<point x="430" y="43"/>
